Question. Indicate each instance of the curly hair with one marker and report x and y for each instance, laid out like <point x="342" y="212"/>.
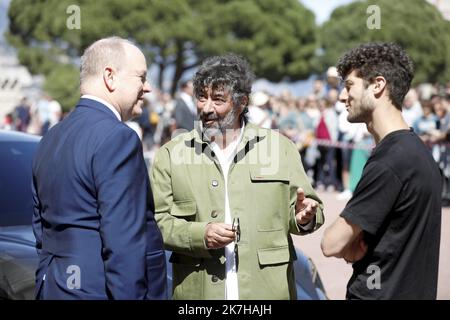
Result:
<point x="380" y="59"/>
<point x="229" y="72"/>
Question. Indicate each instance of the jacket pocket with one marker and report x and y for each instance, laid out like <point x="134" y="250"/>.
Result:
<point x="271" y="256"/>
<point x="257" y="177"/>
<point x="185" y="209"/>
<point x="270" y="198"/>
<point x="185" y="260"/>
<point x="272" y="239"/>
<point x="187" y="277"/>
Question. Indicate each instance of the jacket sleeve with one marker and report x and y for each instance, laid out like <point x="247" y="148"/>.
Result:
<point x="120" y="181"/>
<point x="180" y="235"/>
<point x="298" y="178"/>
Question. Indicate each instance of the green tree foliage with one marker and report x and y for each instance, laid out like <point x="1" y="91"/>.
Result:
<point x="445" y="77"/>
<point x="414" y="24"/>
<point x="63" y="85"/>
<point x="278" y="37"/>
<point x="168" y="31"/>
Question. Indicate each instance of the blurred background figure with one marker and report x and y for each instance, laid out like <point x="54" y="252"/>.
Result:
<point x="55" y="112"/>
<point x="318" y="89"/>
<point x="327" y="131"/>
<point x="148" y="122"/>
<point x="22" y="115"/>
<point x="412" y="109"/>
<point x="166" y="126"/>
<point x="7" y="122"/>
<point x="185" y="109"/>
<point x="258" y="110"/>
<point x="427" y="123"/>
<point x="47" y="112"/>
<point x="333" y="80"/>
<point x="440" y="139"/>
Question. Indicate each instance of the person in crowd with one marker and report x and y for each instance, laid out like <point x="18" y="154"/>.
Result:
<point x="258" y="112"/>
<point x="22" y="115"/>
<point x="412" y="109"/>
<point x="390" y="228"/>
<point x="96" y="235"/>
<point x="185" y="111"/>
<point x="229" y="194"/>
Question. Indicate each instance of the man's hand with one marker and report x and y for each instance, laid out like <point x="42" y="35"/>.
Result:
<point x="305" y="208"/>
<point x="356" y="250"/>
<point x="218" y="235"/>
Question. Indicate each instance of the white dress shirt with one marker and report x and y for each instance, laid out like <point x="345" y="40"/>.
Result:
<point x="225" y="158"/>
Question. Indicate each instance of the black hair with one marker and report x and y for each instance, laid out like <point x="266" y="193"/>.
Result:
<point x="380" y="59"/>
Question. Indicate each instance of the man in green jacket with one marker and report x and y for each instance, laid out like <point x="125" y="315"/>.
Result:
<point x="228" y="195"/>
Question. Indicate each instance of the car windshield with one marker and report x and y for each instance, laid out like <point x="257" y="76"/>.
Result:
<point x="16" y="202"/>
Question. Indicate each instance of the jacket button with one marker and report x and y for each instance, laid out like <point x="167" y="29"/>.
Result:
<point x="214" y="183"/>
<point x="214" y="214"/>
<point x="214" y="278"/>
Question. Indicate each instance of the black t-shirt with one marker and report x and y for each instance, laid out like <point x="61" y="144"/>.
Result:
<point x="397" y="203"/>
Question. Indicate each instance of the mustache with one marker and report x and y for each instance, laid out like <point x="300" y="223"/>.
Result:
<point x="208" y="116"/>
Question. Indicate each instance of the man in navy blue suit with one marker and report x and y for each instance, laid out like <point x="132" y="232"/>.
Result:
<point x="93" y="220"/>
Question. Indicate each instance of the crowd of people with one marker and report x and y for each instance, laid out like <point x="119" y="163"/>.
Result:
<point x="333" y="150"/>
<point x="34" y="117"/>
<point x="225" y="197"/>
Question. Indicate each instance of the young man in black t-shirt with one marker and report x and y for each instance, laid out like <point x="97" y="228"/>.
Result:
<point x="391" y="227"/>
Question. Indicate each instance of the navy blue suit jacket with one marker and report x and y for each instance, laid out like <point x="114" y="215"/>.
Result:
<point x="93" y="220"/>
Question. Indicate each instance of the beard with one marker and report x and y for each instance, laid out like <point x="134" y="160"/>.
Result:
<point x="220" y="125"/>
<point x="361" y="109"/>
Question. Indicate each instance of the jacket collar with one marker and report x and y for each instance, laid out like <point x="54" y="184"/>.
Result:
<point x="93" y="104"/>
<point x="252" y="135"/>
<point x="104" y="102"/>
<point x="251" y="132"/>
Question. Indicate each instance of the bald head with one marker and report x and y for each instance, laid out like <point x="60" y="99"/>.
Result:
<point x="115" y="70"/>
<point x="108" y="52"/>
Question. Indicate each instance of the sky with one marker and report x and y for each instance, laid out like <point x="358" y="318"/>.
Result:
<point x="3" y="16"/>
<point x="323" y="8"/>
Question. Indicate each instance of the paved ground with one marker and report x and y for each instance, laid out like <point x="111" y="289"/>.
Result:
<point x="335" y="272"/>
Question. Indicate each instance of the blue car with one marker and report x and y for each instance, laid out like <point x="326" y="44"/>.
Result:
<point x="18" y="257"/>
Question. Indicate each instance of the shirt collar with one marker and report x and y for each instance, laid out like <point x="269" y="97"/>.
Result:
<point x="107" y="104"/>
<point x="234" y="143"/>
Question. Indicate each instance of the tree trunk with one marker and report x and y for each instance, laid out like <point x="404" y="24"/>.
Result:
<point x="162" y="67"/>
<point x="179" y="68"/>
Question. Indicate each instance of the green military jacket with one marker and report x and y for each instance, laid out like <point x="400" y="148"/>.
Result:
<point x="189" y="193"/>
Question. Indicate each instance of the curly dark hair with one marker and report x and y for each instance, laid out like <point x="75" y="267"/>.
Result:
<point x="229" y="72"/>
<point x="380" y="59"/>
